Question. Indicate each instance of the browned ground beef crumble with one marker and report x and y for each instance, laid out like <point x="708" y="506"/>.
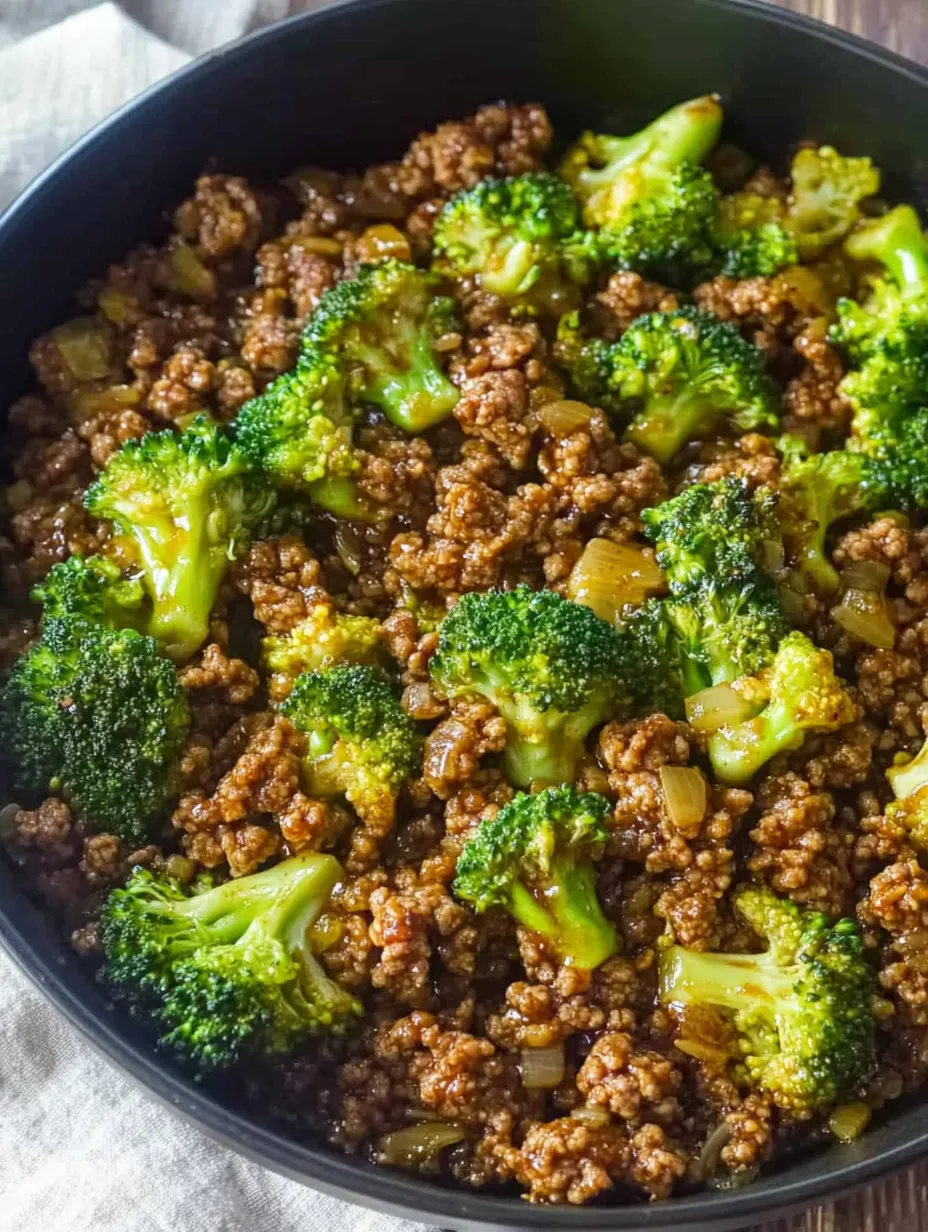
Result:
<point x="486" y="499"/>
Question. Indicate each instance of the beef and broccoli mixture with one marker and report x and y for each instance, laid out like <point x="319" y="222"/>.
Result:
<point x="465" y="651"/>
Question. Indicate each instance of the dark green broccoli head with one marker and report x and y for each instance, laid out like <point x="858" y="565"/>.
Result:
<point x="659" y="672"/>
<point x="678" y="374"/>
<point x="186" y="504"/>
<point x="716" y="530"/>
<point x="93" y="588"/>
<point x="802" y="1009"/>
<point x="535" y="859"/>
<point x="654" y="205"/>
<point x="226" y="974"/>
<point x="817" y="491"/>
<point x="751" y="238"/>
<point x="378" y="332"/>
<point x="522" y="238"/>
<point x="361" y="742"/>
<point x="552" y="668"/>
<point x="299" y="431"/>
<point x="99" y="716"/>
<point x="797" y="693"/>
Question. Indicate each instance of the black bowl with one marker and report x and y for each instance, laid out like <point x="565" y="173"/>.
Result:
<point x="349" y="85"/>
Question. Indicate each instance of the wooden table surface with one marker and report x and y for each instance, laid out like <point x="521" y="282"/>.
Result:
<point x="899" y="1204"/>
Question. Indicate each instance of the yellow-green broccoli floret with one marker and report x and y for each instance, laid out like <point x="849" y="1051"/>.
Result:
<point x="93" y="588"/>
<point x="362" y="745"/>
<point x="226" y="974"/>
<point x="826" y="191"/>
<point x="535" y="859"/>
<point x="676" y="376"/>
<point x="552" y="668"/>
<point x="378" y="332"/>
<point x="300" y="432"/>
<point x="803" y="1009"/>
<point x="322" y="639"/>
<point x="187" y="504"/>
<point x="886" y="336"/>
<point x="796" y="694"/>
<point x="521" y="237"/>
<point x="909" y="781"/>
<point x="98" y="716"/>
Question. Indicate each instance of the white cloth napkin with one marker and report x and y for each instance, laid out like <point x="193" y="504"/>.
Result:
<point x="81" y="1148"/>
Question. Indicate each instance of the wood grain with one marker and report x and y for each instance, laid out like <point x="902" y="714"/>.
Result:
<point x="900" y="1203"/>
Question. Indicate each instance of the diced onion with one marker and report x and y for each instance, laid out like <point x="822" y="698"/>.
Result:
<point x="84" y="347"/>
<point x="864" y="614"/>
<point x="191" y="277"/>
<point x="684" y="794"/>
<point x="542" y="1068"/>
<point x="773" y="555"/>
<point x="865" y="575"/>
<point x="7" y="818"/>
<point x="718" y="706"/>
<point x="383" y="241"/>
<point x="323" y="245"/>
<point x="348" y="547"/>
<point x="406" y="1148"/>
<point x="180" y="867"/>
<point x="610" y="576"/>
<point x="120" y="308"/>
<point x="596" y="1118"/>
<point x="563" y="416"/>
<point x="712" y="1148"/>
<point x="89" y="401"/>
<point x="908" y="777"/>
<point x="325" y="932"/>
<point x="702" y="1051"/>
<point x="848" y="1122"/>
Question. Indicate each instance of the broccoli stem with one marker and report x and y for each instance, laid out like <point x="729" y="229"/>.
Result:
<point x="340" y="496"/>
<point x="569" y="915"/>
<point x="897" y="242"/>
<point x="685" y="133"/>
<point x="730" y="981"/>
<point x="182" y="587"/>
<point x="544" y="751"/>
<point x="414" y="395"/>
<point x="737" y="753"/>
<point x="667" y="422"/>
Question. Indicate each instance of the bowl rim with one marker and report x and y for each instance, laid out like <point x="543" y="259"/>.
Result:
<point x="52" y="971"/>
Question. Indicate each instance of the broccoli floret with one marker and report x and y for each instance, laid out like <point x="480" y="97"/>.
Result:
<point x="535" y="859"/>
<point x="757" y="250"/>
<point x="362" y="745"/>
<point x="655" y="206"/>
<point x="827" y="189"/>
<point x="659" y="673"/>
<point x="522" y="238"/>
<point x="323" y="639"/>
<point x="228" y="973"/>
<point x="886" y="336"/>
<point x="300" y="432"/>
<point x="677" y="373"/>
<point x="99" y="716"/>
<point x="93" y="588"/>
<point x="909" y="781"/>
<point x="802" y="1009"/>
<point x="715" y="530"/>
<point x="552" y="668"/>
<point x="378" y="332"/>
<point x="898" y="471"/>
<point x="187" y="504"/>
<point x="797" y="693"/>
<point x="816" y="491"/>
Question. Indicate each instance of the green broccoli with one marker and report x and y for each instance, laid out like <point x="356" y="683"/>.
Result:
<point x="679" y="374"/>
<point x="521" y="237"/>
<point x="300" y="432"/>
<point x="827" y="189"/>
<point x="362" y="745"/>
<point x="898" y="473"/>
<point x="816" y="491"/>
<point x="187" y="504"/>
<point x="535" y="859"/>
<point x="797" y="693"/>
<point x="909" y="781"/>
<point x="93" y="588"/>
<point x="552" y="668"/>
<point x="655" y="206"/>
<point x="886" y="336"/>
<point x="226" y="974"/>
<point x="99" y="716"/>
<point x="378" y="332"/>
<point x="802" y="1009"/>
<point x="322" y="639"/>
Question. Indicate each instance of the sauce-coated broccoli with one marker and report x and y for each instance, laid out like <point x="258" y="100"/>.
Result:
<point x="378" y="332"/>
<point x="535" y="860"/>
<point x="802" y="1009"/>
<point x="362" y="745"/>
<point x="676" y="375"/>
<point x="227" y="973"/>
<point x="521" y="237"/>
<point x="99" y="716"/>
<point x="186" y="504"/>
<point x="323" y="639"/>
<point x="552" y="668"/>
<point x="93" y="588"/>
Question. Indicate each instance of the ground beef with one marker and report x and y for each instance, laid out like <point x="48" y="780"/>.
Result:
<point x="282" y="579"/>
